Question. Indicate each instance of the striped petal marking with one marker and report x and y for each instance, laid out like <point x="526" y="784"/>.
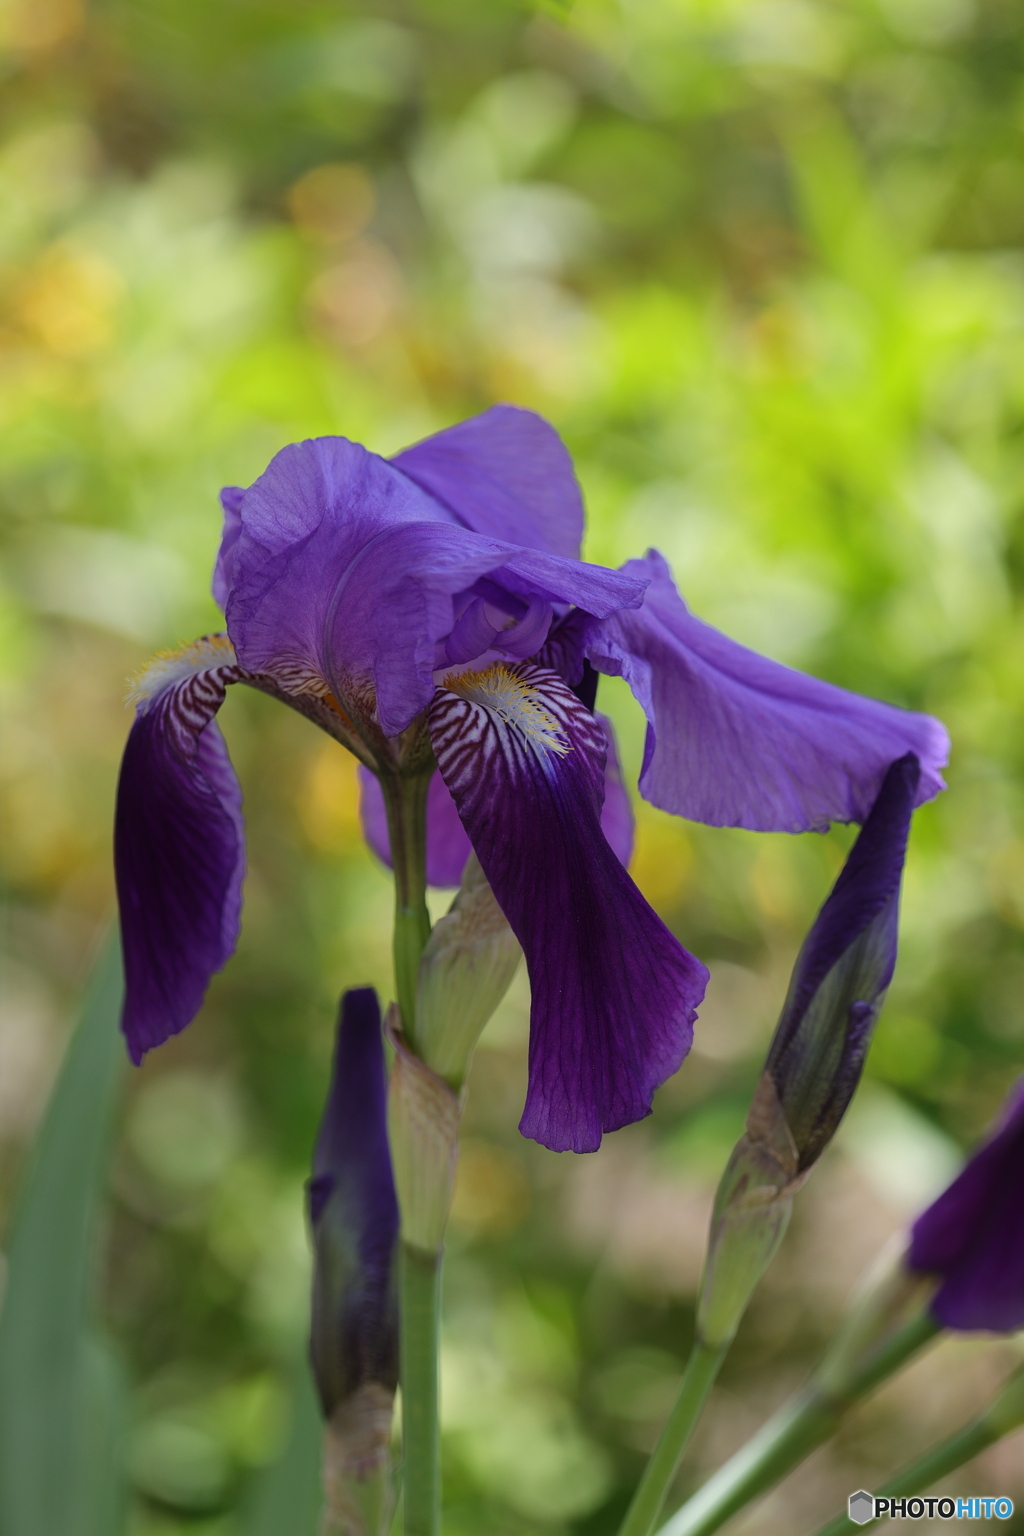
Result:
<point x="614" y="993"/>
<point x="178" y="841"/>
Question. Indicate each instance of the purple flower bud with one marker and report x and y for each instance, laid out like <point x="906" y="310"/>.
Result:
<point x="354" y="1215"/>
<point x="842" y="973"/>
<point x="973" y="1234"/>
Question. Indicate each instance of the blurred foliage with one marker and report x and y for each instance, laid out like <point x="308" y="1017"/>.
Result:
<point x="760" y="261"/>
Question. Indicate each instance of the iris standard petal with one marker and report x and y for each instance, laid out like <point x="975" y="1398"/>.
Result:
<point x="614" y="994"/>
<point x="354" y="1215"/>
<point x="735" y="739"/>
<point x="345" y="569"/>
<point x="973" y="1234"/>
<point x="505" y="473"/>
<point x="179" y="848"/>
<point x="448" y="846"/>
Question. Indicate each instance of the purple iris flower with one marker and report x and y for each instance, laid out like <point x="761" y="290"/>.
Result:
<point x="972" y="1236"/>
<point x="436" y="604"/>
<point x="354" y="1215"/>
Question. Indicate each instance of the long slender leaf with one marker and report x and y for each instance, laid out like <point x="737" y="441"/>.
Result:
<point x="287" y="1497"/>
<point x="60" y="1398"/>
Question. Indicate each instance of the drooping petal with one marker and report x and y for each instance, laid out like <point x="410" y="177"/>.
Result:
<point x="179" y="848"/>
<point x="505" y="473"/>
<point x="973" y="1234"/>
<point x="735" y="739"/>
<point x="448" y="846"/>
<point x="345" y="568"/>
<point x="354" y="1215"/>
<point x="614" y="994"/>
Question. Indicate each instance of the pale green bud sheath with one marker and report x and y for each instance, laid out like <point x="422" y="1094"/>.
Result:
<point x="464" y="972"/>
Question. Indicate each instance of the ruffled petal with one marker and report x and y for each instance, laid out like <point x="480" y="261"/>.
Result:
<point x="973" y="1235"/>
<point x="448" y="846"/>
<point x="346" y="571"/>
<point x="734" y="739"/>
<point x="505" y="473"/>
<point x="179" y="847"/>
<point x="354" y="1215"/>
<point x="614" y="993"/>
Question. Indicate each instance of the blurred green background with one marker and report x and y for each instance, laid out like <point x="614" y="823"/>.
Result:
<point x="760" y="262"/>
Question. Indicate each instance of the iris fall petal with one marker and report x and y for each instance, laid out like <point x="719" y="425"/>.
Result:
<point x="179" y="849"/>
<point x="614" y="994"/>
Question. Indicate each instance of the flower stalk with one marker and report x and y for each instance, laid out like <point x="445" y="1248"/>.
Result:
<point x="405" y="800"/>
<point x="888" y="1323"/>
<point x="1002" y="1416"/>
<point x="699" y="1377"/>
<point x="421" y="1443"/>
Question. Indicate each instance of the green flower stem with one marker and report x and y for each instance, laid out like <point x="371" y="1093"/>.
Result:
<point x="1001" y="1417"/>
<point x="920" y="1474"/>
<point x="797" y="1429"/>
<point x="406" y="802"/>
<point x="421" y="1458"/>
<point x="702" y="1368"/>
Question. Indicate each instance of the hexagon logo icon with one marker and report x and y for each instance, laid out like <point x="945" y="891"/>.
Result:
<point x="861" y="1507"/>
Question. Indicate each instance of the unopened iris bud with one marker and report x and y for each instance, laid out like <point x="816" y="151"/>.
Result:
<point x="972" y="1236"/>
<point x="465" y="971"/>
<point x="815" y="1059"/>
<point x="354" y="1216"/>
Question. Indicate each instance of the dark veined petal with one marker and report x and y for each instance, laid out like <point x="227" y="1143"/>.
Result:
<point x="448" y="846"/>
<point x="735" y="739"/>
<point x="179" y="849"/>
<point x="505" y="473"/>
<point x="973" y="1234"/>
<point x="354" y="1215"/>
<point x="614" y="994"/>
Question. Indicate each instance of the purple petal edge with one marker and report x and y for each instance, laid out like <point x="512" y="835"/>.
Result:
<point x="972" y="1236"/>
